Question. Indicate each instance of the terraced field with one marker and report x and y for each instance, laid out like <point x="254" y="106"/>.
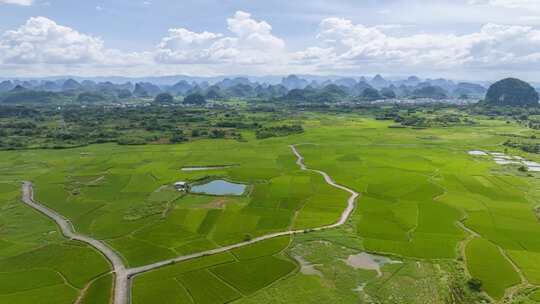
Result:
<point x="417" y="187"/>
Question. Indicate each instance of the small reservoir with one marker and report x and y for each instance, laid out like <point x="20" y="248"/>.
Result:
<point x="219" y="187"/>
<point x="189" y="169"/>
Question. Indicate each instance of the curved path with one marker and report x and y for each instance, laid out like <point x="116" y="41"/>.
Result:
<point x="124" y="276"/>
<point x="121" y="275"/>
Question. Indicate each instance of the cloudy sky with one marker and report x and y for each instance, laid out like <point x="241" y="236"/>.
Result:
<point x="465" y="39"/>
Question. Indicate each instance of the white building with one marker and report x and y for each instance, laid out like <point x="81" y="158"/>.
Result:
<point x="181" y="186"/>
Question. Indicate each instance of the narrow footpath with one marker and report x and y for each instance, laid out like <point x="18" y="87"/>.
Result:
<point x="124" y="276"/>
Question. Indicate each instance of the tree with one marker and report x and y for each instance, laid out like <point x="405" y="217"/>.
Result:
<point x="512" y="92"/>
<point x="475" y="284"/>
<point x="164" y="98"/>
<point x="217" y="133"/>
<point x="178" y="137"/>
<point x="195" y="99"/>
<point x="523" y="169"/>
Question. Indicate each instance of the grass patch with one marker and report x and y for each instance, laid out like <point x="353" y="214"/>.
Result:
<point x="486" y="263"/>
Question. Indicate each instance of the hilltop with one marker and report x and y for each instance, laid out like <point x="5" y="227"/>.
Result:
<point x="512" y="92"/>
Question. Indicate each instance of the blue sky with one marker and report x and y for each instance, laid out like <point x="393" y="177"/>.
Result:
<point x="468" y="39"/>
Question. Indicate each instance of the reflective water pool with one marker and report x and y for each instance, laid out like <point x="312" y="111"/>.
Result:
<point x="219" y="187"/>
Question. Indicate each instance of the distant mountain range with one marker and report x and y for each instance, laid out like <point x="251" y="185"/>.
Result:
<point x="270" y="79"/>
<point x="291" y="87"/>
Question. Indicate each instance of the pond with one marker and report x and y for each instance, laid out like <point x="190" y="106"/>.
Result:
<point x="219" y="187"/>
<point x="189" y="169"/>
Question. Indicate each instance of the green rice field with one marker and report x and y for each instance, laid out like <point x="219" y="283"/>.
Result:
<point x="422" y="197"/>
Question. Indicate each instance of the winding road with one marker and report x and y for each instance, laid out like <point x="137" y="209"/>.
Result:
<point x="121" y="294"/>
<point x="123" y="275"/>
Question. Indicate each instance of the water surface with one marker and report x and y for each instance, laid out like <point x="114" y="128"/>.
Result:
<point x="368" y="261"/>
<point x="219" y="187"/>
<point x="188" y="169"/>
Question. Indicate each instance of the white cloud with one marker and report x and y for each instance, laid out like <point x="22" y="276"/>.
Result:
<point x="43" y="41"/>
<point x="314" y="55"/>
<point x="248" y="46"/>
<point x="251" y="42"/>
<point x="348" y="46"/>
<point x="18" y="2"/>
<point x="185" y="46"/>
<point x="517" y="4"/>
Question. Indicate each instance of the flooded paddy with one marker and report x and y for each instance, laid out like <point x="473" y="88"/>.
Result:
<point x="369" y="261"/>
<point x="205" y="168"/>
<point x="503" y="159"/>
<point x="306" y="267"/>
<point x="477" y="153"/>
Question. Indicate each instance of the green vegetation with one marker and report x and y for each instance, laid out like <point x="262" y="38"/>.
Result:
<point x="195" y="99"/>
<point x="252" y="275"/>
<point x="418" y="185"/>
<point x="88" y="97"/>
<point x="493" y="271"/>
<point x="37" y="265"/>
<point x="128" y="199"/>
<point x="279" y="131"/>
<point x="188" y="282"/>
<point x="74" y="126"/>
<point x="22" y="96"/>
<point x="512" y="92"/>
<point x="164" y="98"/>
<point x="99" y="291"/>
<point x="526" y="145"/>
<point x="269" y="247"/>
<point x="371" y="94"/>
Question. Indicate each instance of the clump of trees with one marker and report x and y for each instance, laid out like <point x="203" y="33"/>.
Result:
<point x="278" y="131"/>
<point x="526" y="146"/>
<point x="195" y="99"/>
<point x="421" y="117"/>
<point x="178" y="137"/>
<point x="475" y="285"/>
<point x="525" y="116"/>
<point x="164" y="98"/>
<point x="37" y="126"/>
